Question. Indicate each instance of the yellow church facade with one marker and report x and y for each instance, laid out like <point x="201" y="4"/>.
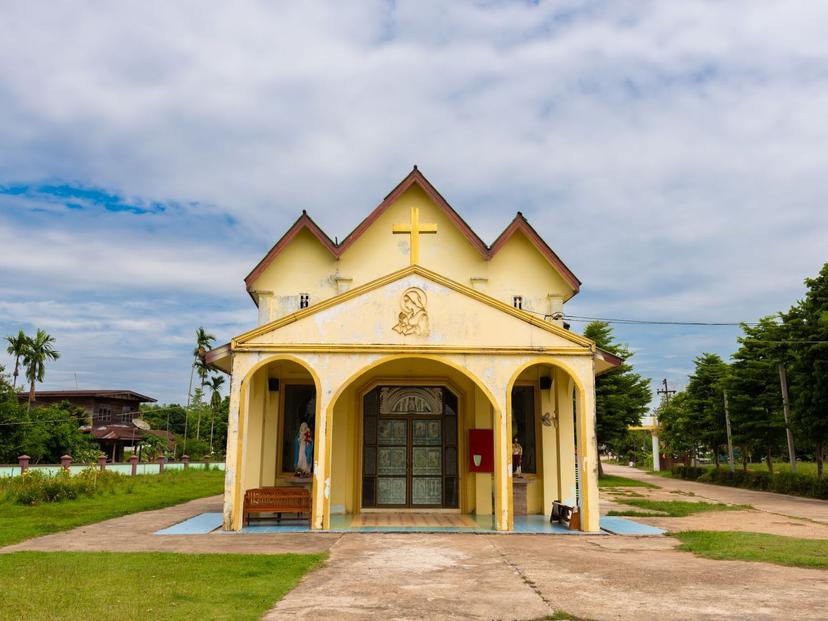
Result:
<point x="412" y="368"/>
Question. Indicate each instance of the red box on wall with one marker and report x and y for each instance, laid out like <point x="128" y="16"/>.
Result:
<point x="481" y="450"/>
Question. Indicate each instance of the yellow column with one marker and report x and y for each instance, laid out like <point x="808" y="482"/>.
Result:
<point x="269" y="438"/>
<point x="588" y="455"/>
<point x="236" y="443"/>
<point x="231" y="453"/>
<point x="566" y="437"/>
<point x="254" y="427"/>
<point x="503" y="463"/>
<point x="321" y="493"/>
<point x="482" y="480"/>
<point x="549" y="448"/>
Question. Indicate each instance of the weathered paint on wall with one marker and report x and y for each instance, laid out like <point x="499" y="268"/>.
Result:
<point x="475" y="342"/>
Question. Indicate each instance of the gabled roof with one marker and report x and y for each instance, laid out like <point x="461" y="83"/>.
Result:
<point x="522" y="224"/>
<point x="304" y="222"/>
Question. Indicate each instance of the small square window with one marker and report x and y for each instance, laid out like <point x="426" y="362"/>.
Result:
<point x="517" y="301"/>
<point x="304" y="300"/>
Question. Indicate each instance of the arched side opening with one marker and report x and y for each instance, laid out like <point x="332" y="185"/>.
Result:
<point x="398" y="434"/>
<point x="277" y="428"/>
<point x="549" y="412"/>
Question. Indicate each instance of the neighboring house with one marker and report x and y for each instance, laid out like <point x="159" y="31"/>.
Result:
<point x="111" y="413"/>
<point x="413" y="367"/>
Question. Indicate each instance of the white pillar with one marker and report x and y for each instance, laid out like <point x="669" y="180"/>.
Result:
<point x="656" y="461"/>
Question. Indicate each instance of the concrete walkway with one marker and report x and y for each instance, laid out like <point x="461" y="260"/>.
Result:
<point x="473" y="576"/>
<point x="779" y="504"/>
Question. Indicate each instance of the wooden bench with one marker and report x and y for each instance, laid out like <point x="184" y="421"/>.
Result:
<point x="276" y="500"/>
<point x="566" y="515"/>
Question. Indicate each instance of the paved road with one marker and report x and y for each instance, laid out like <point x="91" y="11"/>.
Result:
<point x="466" y="576"/>
<point x="780" y="504"/>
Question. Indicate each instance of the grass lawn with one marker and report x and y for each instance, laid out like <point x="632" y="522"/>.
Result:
<point x="139" y="493"/>
<point x="736" y="546"/>
<point x="673" y="508"/>
<point x="802" y="467"/>
<point x="140" y="586"/>
<point x="610" y="480"/>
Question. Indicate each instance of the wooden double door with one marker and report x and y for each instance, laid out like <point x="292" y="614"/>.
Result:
<point x="409" y="457"/>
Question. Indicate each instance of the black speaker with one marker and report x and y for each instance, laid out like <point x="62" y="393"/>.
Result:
<point x="545" y="383"/>
<point x="273" y="384"/>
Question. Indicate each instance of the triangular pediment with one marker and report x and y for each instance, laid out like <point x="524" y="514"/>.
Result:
<point x="414" y="306"/>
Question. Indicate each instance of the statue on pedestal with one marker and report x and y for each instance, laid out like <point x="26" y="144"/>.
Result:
<point x="517" y="458"/>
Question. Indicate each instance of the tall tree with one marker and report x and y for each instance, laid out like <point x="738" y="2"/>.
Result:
<point x="39" y="351"/>
<point x="753" y="388"/>
<point x="807" y="322"/>
<point x="215" y="384"/>
<point x="679" y="434"/>
<point x="621" y="395"/>
<point x="203" y="345"/>
<point x="705" y="403"/>
<point x="17" y="347"/>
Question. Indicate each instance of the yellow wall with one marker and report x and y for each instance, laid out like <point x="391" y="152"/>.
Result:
<point x="477" y="344"/>
<point x="305" y="266"/>
<point x="263" y="438"/>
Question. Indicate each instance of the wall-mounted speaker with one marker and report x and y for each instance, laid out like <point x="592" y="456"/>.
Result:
<point x="273" y="384"/>
<point x="545" y="383"/>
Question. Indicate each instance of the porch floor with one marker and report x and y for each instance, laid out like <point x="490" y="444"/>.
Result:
<point x="410" y="523"/>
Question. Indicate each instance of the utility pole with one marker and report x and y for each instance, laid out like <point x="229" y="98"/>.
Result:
<point x="665" y="392"/>
<point x="786" y="409"/>
<point x="730" y="463"/>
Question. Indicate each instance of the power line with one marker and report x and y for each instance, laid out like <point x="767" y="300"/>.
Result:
<point x="652" y="322"/>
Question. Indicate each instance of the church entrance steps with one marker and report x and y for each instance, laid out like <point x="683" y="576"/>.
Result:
<point x="408" y="522"/>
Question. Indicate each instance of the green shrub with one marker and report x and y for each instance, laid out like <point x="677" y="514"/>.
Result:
<point x="36" y="487"/>
<point x="690" y="473"/>
<point x="797" y="484"/>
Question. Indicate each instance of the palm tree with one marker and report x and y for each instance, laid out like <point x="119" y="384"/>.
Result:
<point x="203" y="340"/>
<point x="203" y="345"/>
<point x="17" y="348"/>
<point x="39" y="350"/>
<point x="202" y="370"/>
<point x="215" y="384"/>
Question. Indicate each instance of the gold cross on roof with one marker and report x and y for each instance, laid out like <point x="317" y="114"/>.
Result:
<point x="415" y="229"/>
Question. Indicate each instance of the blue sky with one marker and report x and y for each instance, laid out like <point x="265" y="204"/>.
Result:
<point x="673" y="154"/>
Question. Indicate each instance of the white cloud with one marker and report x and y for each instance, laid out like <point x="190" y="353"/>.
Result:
<point x="672" y="153"/>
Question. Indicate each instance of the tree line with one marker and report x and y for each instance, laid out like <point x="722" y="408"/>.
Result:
<point x="788" y="349"/>
<point x="45" y="433"/>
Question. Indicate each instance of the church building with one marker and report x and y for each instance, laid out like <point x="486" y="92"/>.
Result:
<point x="412" y="368"/>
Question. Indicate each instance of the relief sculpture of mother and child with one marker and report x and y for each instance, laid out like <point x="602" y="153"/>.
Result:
<point x="413" y="316"/>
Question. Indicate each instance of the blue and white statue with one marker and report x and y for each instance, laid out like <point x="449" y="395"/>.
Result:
<point x="303" y="449"/>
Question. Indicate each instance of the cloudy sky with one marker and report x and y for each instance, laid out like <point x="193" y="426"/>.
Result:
<point x="673" y="154"/>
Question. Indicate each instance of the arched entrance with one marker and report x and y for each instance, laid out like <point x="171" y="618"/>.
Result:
<point x="561" y="441"/>
<point x="277" y="403"/>
<point x="398" y="433"/>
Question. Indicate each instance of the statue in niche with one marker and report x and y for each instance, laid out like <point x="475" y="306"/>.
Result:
<point x="413" y="316"/>
<point x="517" y="458"/>
<point x="303" y="450"/>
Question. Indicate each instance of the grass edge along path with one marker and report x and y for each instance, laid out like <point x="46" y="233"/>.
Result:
<point x="609" y="481"/>
<point x="70" y="586"/>
<point x="672" y="508"/>
<point x="757" y="547"/>
<point x="138" y="493"/>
